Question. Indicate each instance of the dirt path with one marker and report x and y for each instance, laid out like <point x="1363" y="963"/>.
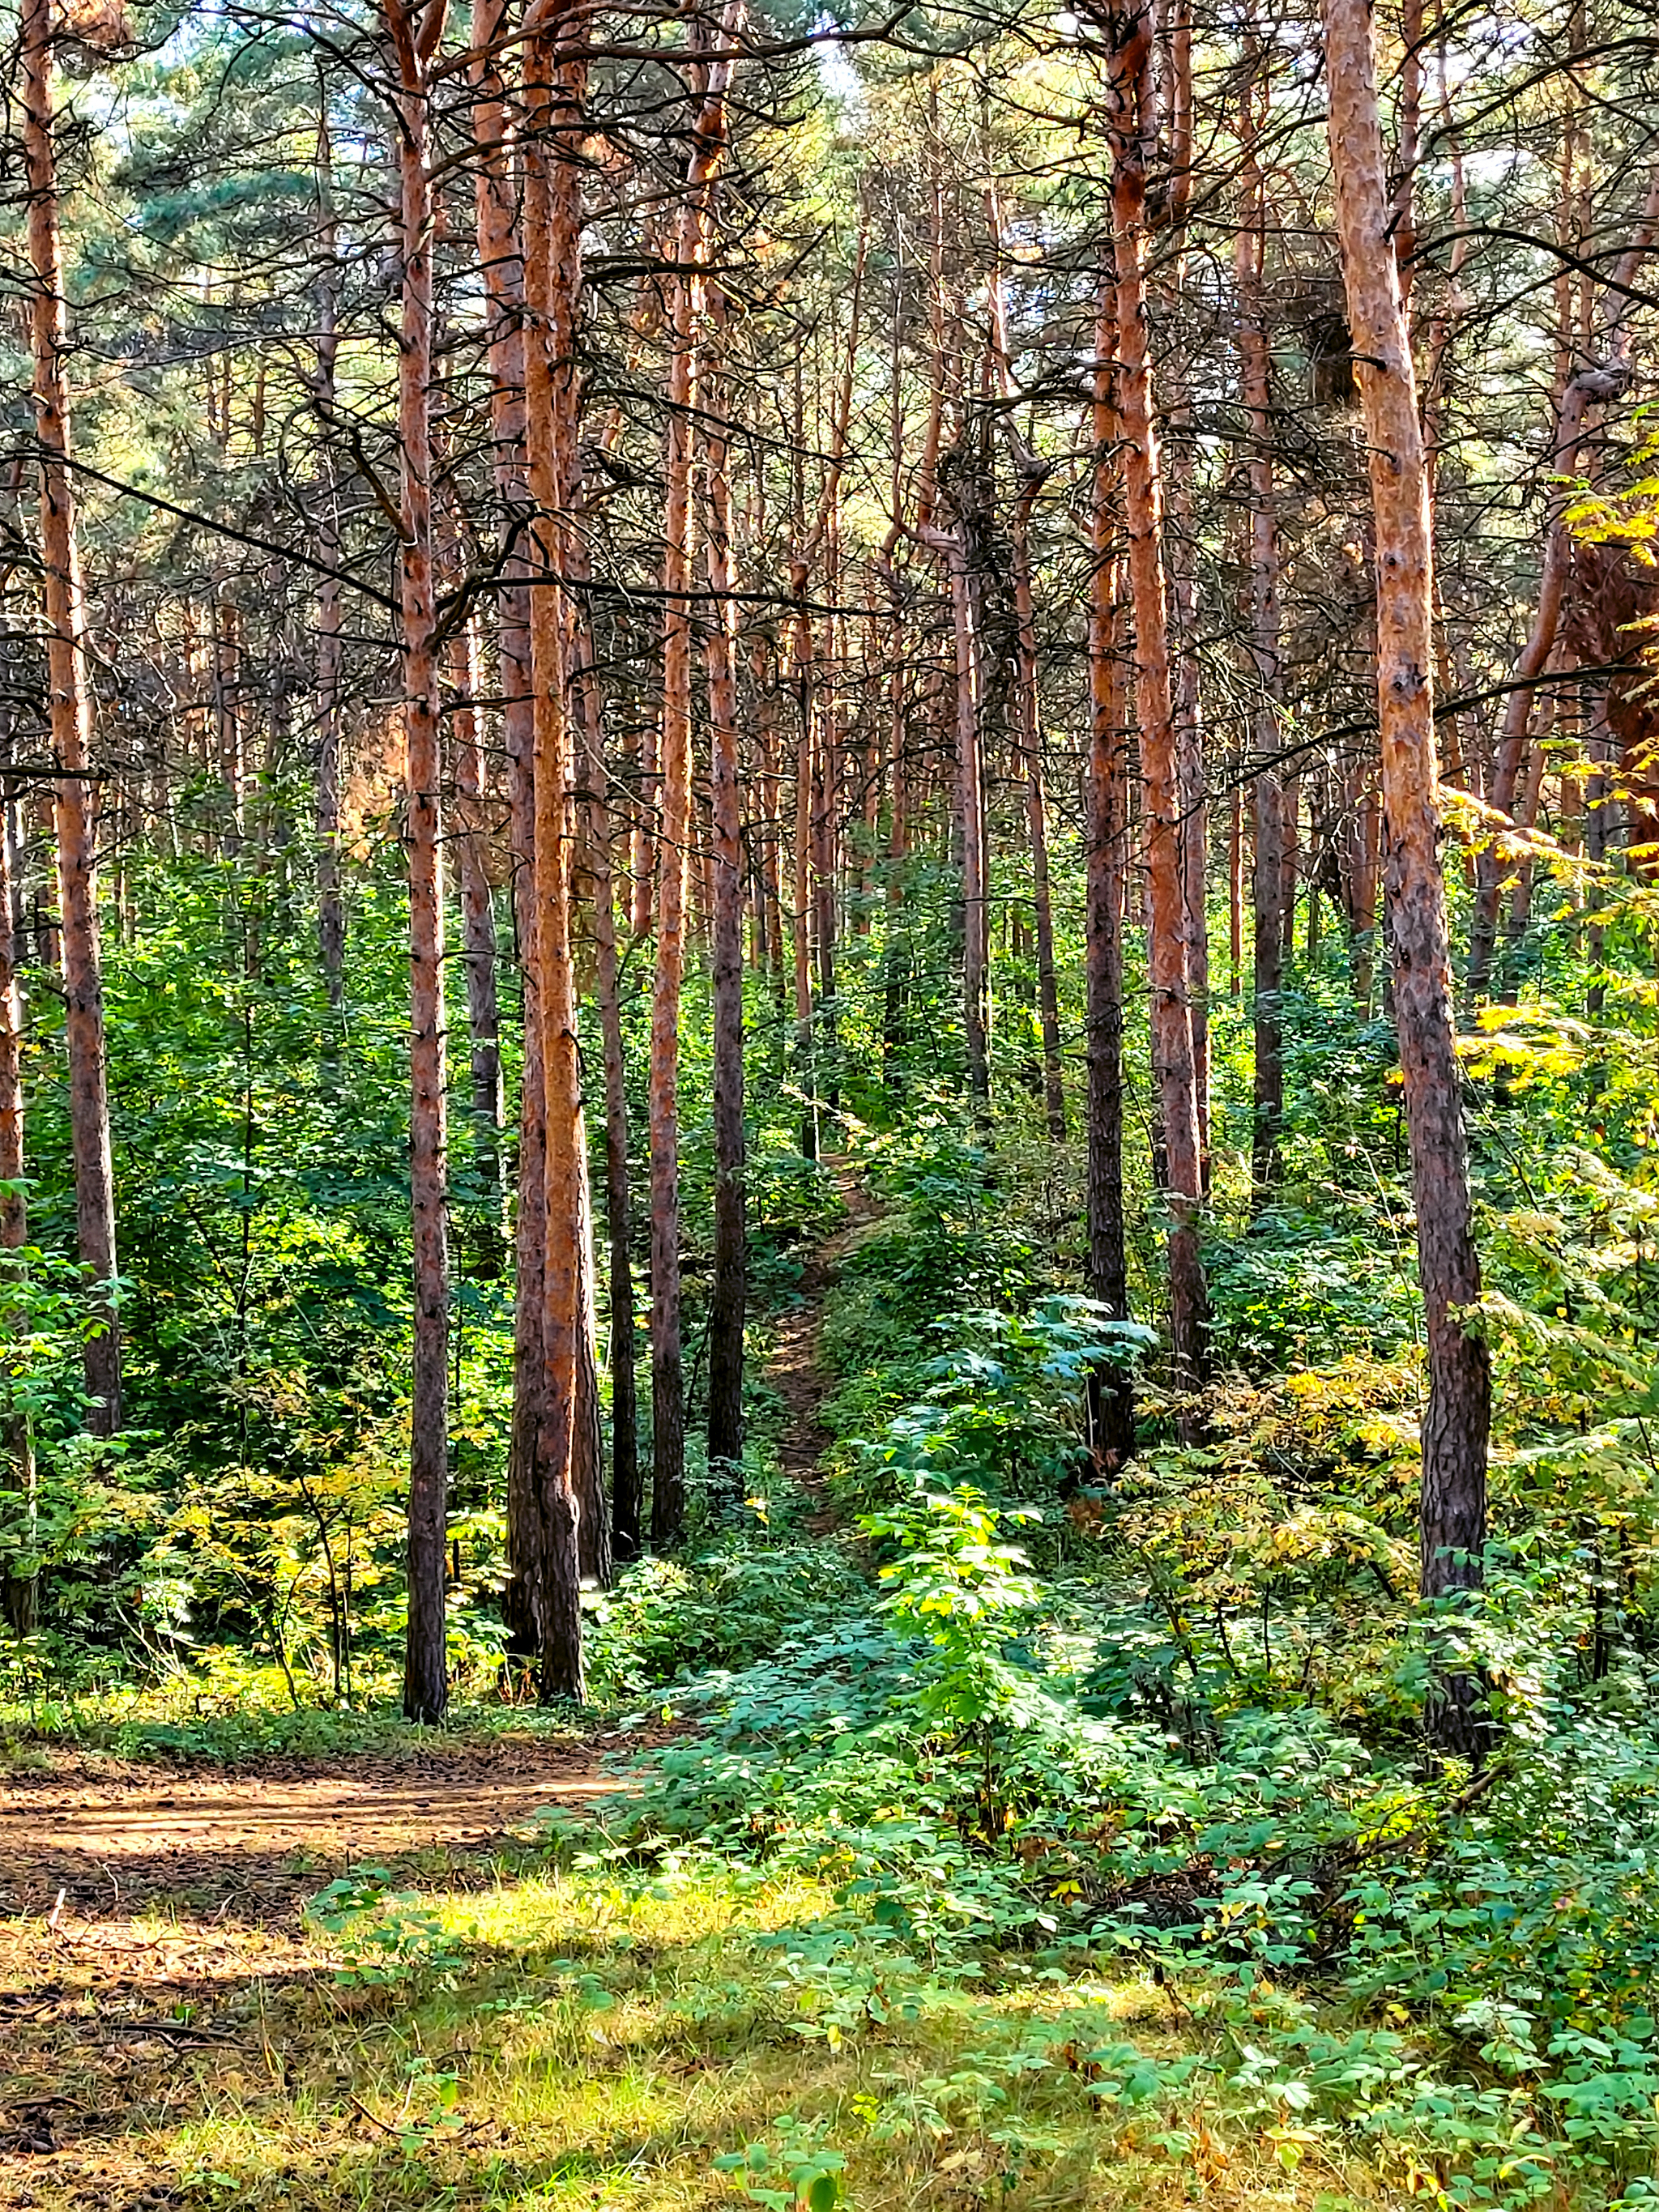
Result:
<point x="249" y="1844"/>
<point x="795" y="1369"/>
<point x="153" y="1946"/>
<point x="244" y="1846"/>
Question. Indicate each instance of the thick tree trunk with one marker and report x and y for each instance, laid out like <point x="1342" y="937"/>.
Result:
<point x="728" y="1298"/>
<point x="1174" y="1063"/>
<point x="1028" y="731"/>
<point x="1453" y="1510"/>
<point x="70" y="721"/>
<point x="566" y="1464"/>
<point x="414" y="34"/>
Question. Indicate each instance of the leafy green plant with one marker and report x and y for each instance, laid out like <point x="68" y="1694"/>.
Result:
<point x="791" y="2173"/>
<point x="385" y="1935"/>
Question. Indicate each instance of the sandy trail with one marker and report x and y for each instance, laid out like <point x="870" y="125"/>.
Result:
<point x="254" y="1840"/>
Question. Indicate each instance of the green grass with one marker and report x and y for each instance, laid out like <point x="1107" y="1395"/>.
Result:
<point x="598" y="2039"/>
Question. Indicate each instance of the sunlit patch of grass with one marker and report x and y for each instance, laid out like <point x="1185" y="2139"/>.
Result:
<point x="594" y="2041"/>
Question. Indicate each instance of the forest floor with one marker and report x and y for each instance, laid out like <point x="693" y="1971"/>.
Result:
<point x="176" y="2031"/>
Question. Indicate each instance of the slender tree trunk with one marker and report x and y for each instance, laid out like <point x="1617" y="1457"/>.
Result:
<point x="1111" y="1406"/>
<point x="478" y="952"/>
<point x="330" y="911"/>
<point x="1042" y="908"/>
<point x="414" y="33"/>
<point x="728" y="1298"/>
<point x="1027" y="716"/>
<point x="1453" y="1511"/>
<point x="70" y="721"/>
<point x="501" y="260"/>
<point x="667" y="1358"/>
<point x="801" y="649"/>
<point x="1174" y="1063"/>
<point x="625" y="1487"/>
<point x="1267" y="795"/>
<point x="20" y="1594"/>
<point x="970" y="807"/>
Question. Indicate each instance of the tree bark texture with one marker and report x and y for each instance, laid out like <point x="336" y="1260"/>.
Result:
<point x="1266" y="802"/>
<point x="330" y="909"/>
<point x="546" y="1550"/>
<point x="1453" y="1509"/>
<point x="667" y="1358"/>
<point x="414" y="33"/>
<point x="70" y="724"/>
<point x="1111" y="1408"/>
<point x="1174" y="1064"/>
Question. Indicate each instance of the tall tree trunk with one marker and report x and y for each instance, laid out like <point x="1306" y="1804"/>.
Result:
<point x="625" y="1486"/>
<point x="806" y="687"/>
<point x="1027" y="714"/>
<point x="1453" y="1509"/>
<point x="551" y="1539"/>
<point x="414" y="33"/>
<point x="728" y="1298"/>
<point x="20" y="1593"/>
<point x="1174" y="1063"/>
<point x="970" y="808"/>
<point x="497" y="178"/>
<point x="330" y="911"/>
<point x="1267" y="795"/>
<point x="1111" y="1406"/>
<point x="70" y="717"/>
<point x="478" y="950"/>
<point x="1036" y="819"/>
<point x="712" y="80"/>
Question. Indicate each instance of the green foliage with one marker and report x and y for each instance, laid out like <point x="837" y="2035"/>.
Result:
<point x="810" y="2174"/>
<point x="384" y="1935"/>
<point x="723" y="1605"/>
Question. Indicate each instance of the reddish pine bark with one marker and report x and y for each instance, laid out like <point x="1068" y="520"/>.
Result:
<point x="1453" y="1509"/>
<point x="667" y="1358"/>
<point x="1111" y="1408"/>
<point x="70" y="722"/>
<point x="546" y="1548"/>
<point x="1174" y="1063"/>
<point x="414" y="33"/>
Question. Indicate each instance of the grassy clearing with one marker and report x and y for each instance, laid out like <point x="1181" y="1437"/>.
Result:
<point x="572" y="2040"/>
